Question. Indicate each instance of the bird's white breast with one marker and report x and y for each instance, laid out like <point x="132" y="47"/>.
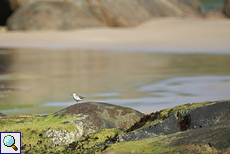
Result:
<point x="77" y="98"/>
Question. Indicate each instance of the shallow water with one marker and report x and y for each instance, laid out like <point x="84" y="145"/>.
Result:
<point x="34" y="81"/>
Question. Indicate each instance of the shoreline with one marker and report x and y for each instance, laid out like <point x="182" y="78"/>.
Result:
<point x="164" y="35"/>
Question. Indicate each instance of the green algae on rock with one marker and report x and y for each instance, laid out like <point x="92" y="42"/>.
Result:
<point x="181" y="118"/>
<point x="69" y="125"/>
<point x="191" y="128"/>
<point x="95" y="142"/>
<point x="158" y="116"/>
<point x="33" y="129"/>
<point x="213" y="139"/>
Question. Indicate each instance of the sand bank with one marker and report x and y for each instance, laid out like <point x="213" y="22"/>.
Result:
<point x="158" y="35"/>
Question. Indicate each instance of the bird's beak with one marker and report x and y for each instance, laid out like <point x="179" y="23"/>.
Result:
<point x="71" y="94"/>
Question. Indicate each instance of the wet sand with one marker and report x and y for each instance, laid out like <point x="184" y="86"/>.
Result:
<point x="158" y="35"/>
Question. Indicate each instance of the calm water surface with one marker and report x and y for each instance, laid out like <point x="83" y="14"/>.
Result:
<point x="34" y="81"/>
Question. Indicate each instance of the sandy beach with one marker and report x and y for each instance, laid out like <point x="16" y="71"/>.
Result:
<point x="158" y="35"/>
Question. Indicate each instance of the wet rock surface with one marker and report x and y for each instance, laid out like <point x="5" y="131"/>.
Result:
<point x="210" y="114"/>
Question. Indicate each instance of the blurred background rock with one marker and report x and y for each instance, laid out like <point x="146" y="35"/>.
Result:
<point x="74" y="14"/>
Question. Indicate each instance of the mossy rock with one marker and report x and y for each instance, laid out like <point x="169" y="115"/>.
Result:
<point x="214" y="139"/>
<point x="33" y="129"/>
<point x="179" y="118"/>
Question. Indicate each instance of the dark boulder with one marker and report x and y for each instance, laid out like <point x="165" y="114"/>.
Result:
<point x="2" y="115"/>
<point x="43" y="15"/>
<point x="212" y="140"/>
<point x="226" y="9"/>
<point x="91" y="117"/>
<point x="5" y="12"/>
<point x="103" y="115"/>
<point x="210" y="114"/>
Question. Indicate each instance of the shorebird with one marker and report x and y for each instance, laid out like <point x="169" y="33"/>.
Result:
<point x="77" y="97"/>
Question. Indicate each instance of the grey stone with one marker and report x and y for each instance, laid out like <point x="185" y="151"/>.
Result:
<point x="62" y="137"/>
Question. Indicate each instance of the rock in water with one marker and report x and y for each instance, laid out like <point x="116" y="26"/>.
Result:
<point x="42" y="15"/>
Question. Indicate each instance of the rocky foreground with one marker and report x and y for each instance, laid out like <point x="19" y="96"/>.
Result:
<point x="100" y="127"/>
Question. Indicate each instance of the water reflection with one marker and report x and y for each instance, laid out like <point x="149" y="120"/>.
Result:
<point x="40" y="81"/>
